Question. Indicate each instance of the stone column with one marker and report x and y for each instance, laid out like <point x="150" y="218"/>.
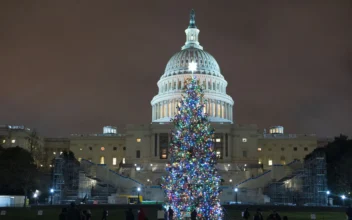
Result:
<point x="224" y="145"/>
<point x="157" y="146"/>
<point x="216" y="108"/>
<point x="153" y="113"/>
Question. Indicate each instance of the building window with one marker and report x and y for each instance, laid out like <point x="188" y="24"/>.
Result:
<point x="54" y="152"/>
<point x="80" y="149"/>
<point x="114" y="148"/>
<point x="90" y="148"/>
<point x="138" y="140"/>
<point x="259" y="149"/>
<point x="163" y="154"/>
<point x="123" y="160"/>
<point x="3" y="141"/>
<point x="218" y="154"/>
<point x="244" y="153"/>
<point x="270" y="162"/>
<point x="163" y="145"/>
<point x="102" y="160"/>
<point x="138" y="154"/>
<point x="13" y="141"/>
<point x="283" y="160"/>
<point x="244" y="140"/>
<point x="295" y="148"/>
<point x="306" y="149"/>
<point x="124" y="148"/>
<point x="102" y="148"/>
<point x="218" y="146"/>
<point x="114" y="161"/>
<point x="282" y="149"/>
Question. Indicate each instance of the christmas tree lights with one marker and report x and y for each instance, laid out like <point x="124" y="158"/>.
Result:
<point x="192" y="181"/>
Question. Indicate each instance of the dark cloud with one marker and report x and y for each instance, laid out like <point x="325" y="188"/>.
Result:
<point x="74" y="66"/>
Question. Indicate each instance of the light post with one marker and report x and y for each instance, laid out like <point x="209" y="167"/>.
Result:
<point x="138" y="190"/>
<point x="327" y="194"/>
<point x="343" y="197"/>
<point x="35" y="196"/>
<point x="51" y="194"/>
<point x="236" y="190"/>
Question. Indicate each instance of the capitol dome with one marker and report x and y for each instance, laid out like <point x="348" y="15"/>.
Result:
<point x="206" y="63"/>
<point x="218" y="106"/>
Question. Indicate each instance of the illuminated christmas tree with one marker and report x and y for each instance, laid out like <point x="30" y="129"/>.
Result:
<point x="192" y="181"/>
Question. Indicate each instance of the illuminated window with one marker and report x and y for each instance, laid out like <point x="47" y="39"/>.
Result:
<point x="80" y="149"/>
<point x="192" y="37"/>
<point x="218" y="140"/>
<point x="13" y="141"/>
<point x="218" y="154"/>
<point x="138" y="154"/>
<point x="60" y="152"/>
<point x="164" y="154"/>
<point x="123" y="160"/>
<point x="259" y="149"/>
<point x="114" y="161"/>
<point x="283" y="160"/>
<point x="102" y="148"/>
<point x="79" y="159"/>
<point x="54" y="152"/>
<point x="102" y="160"/>
<point x="138" y="140"/>
<point x="3" y="141"/>
<point x="270" y="162"/>
<point x="260" y="161"/>
<point x="244" y="140"/>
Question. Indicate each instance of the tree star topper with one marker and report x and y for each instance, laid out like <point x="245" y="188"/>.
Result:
<point x="192" y="66"/>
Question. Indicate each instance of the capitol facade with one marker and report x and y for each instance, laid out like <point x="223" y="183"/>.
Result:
<point x="245" y="153"/>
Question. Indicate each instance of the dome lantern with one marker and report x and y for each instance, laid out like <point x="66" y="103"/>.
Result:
<point x="192" y="33"/>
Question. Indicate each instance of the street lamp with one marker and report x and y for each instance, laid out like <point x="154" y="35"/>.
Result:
<point x="236" y="190"/>
<point x="343" y="197"/>
<point x="138" y="190"/>
<point x="35" y="196"/>
<point x="328" y="193"/>
<point x="51" y="193"/>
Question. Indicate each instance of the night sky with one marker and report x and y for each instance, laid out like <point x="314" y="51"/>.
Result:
<point x="75" y="66"/>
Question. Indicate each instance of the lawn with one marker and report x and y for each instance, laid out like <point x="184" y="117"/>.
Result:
<point x="234" y="215"/>
<point x="118" y="213"/>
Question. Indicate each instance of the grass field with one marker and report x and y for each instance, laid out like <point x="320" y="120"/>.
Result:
<point x="118" y="213"/>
